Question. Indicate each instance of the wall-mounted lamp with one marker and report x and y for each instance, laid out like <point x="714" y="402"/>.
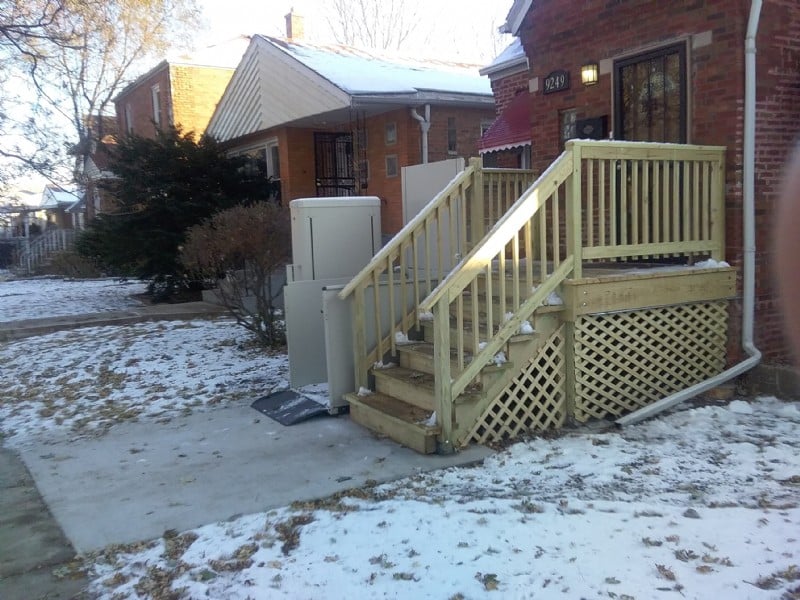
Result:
<point x="589" y="73"/>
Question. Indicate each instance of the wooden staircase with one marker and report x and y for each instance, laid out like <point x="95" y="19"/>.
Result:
<point x="456" y="327"/>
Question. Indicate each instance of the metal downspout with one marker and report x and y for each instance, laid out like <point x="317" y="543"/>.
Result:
<point x="749" y="237"/>
<point x="424" y="126"/>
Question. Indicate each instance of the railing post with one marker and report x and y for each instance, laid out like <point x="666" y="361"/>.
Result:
<point x="360" y="336"/>
<point x="718" y="208"/>
<point x="574" y="225"/>
<point x="476" y="210"/>
<point x="441" y="365"/>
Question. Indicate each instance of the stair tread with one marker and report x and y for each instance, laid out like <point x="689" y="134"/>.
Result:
<point x="394" y="407"/>
<point x="410" y="376"/>
<point x="426" y="349"/>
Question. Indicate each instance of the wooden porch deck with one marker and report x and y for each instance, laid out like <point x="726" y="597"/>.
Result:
<point x="552" y="315"/>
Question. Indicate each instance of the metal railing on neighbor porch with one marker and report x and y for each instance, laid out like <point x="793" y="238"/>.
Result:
<point x="598" y="201"/>
<point x="34" y="251"/>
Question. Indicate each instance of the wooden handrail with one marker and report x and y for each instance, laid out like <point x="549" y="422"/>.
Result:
<point x="472" y="265"/>
<point x="414" y="224"/>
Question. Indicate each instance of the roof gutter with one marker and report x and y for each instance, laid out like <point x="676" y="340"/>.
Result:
<point x="748" y="265"/>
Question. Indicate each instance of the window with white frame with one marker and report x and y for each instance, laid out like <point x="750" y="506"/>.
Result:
<point x="155" y="93"/>
<point x="391" y="133"/>
<point x="128" y="118"/>
<point x="392" y="166"/>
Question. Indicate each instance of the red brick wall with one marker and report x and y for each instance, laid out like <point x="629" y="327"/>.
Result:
<point x="505" y="88"/>
<point x="716" y="87"/>
<point x="139" y="97"/>
<point x="188" y="96"/>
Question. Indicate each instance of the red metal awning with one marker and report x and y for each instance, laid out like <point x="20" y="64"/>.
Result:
<point x="511" y="129"/>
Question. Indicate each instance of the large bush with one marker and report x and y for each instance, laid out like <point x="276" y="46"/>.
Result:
<point x="162" y="187"/>
<point x="241" y="248"/>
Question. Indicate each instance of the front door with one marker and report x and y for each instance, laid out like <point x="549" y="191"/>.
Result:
<point x="333" y="154"/>
<point x="650" y="96"/>
<point x="650" y="105"/>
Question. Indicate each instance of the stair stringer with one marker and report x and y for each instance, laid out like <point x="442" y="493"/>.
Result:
<point x="526" y="397"/>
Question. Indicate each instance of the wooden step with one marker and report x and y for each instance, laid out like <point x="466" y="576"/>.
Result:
<point x="409" y="385"/>
<point x="396" y="419"/>
<point x="417" y="387"/>
<point x="419" y="357"/>
<point x="427" y="328"/>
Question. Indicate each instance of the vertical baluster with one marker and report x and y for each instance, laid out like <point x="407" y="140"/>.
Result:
<point x="656" y="201"/>
<point x="543" y="242"/>
<point x="590" y="220"/>
<point x="392" y="313"/>
<point x="428" y="265"/>
<point x="612" y="201"/>
<point x="515" y="272"/>
<point x="676" y="202"/>
<point x="602" y="200"/>
<point x="360" y="335"/>
<point x="501" y="280"/>
<point x="454" y="229"/>
<point x="696" y="201"/>
<point x="476" y="334"/>
<point x="556" y="225"/>
<point x="408" y="320"/>
<point x="706" y="201"/>
<point x="489" y="301"/>
<point x="460" y="331"/>
<point x="686" y="204"/>
<point x="646" y="199"/>
<point x="528" y="239"/>
<point x="623" y="201"/>
<point x="376" y="297"/>
<point x="441" y="228"/>
<point x="636" y="224"/>
<point x="415" y="271"/>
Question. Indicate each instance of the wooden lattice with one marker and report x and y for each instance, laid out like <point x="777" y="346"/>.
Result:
<point x="534" y="399"/>
<point x="624" y="361"/>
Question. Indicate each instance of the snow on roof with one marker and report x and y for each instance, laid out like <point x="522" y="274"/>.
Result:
<point x="513" y="54"/>
<point x="53" y="197"/>
<point x="226" y="54"/>
<point x="364" y="72"/>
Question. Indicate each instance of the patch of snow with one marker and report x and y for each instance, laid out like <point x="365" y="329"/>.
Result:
<point x="425" y="316"/>
<point x="711" y="264"/>
<point x="482" y="345"/>
<point x="500" y="358"/>
<point x="383" y="365"/>
<point x="740" y="407"/>
<point x="526" y="328"/>
<point x="362" y="391"/>
<point x="508" y="316"/>
<point x="401" y="338"/>
<point x="430" y="421"/>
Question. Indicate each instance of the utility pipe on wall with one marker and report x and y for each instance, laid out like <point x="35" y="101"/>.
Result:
<point x="424" y="126"/>
<point x="749" y="237"/>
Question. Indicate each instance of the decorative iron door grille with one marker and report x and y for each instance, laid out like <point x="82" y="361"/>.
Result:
<point x="333" y="156"/>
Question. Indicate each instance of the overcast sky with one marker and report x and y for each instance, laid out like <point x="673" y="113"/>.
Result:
<point x="449" y="29"/>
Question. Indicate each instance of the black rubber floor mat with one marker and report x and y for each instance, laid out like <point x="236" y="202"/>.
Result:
<point x="288" y="407"/>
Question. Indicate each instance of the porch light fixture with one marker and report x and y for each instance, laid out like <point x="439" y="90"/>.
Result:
<point x="589" y="73"/>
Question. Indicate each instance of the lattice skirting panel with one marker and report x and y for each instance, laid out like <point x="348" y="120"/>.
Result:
<point x="535" y="398"/>
<point x="627" y="360"/>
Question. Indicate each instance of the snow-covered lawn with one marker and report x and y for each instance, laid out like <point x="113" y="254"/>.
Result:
<point x="701" y="503"/>
<point x="46" y="297"/>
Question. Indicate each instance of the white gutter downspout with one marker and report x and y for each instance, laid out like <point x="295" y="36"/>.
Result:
<point x="749" y="236"/>
<point x="424" y="126"/>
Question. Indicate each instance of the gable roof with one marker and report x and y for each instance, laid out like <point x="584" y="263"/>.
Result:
<point x="58" y="197"/>
<point x="515" y="16"/>
<point x="513" y="57"/>
<point x="279" y="82"/>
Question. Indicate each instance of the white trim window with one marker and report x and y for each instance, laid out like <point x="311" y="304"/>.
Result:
<point x="155" y="95"/>
<point x="128" y="118"/>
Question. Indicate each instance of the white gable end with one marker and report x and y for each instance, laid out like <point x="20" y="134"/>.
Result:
<point x="270" y="89"/>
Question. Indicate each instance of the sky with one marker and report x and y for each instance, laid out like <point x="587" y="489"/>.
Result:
<point x="701" y="502"/>
<point x="449" y="29"/>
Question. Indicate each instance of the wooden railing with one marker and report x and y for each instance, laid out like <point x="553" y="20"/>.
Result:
<point x="387" y="291"/>
<point x="598" y="201"/>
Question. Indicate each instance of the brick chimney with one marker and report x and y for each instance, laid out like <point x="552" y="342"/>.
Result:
<point x="295" y="27"/>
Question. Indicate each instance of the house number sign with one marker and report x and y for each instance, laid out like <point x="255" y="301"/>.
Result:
<point x="556" y="81"/>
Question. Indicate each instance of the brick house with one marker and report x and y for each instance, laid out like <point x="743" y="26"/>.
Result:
<point x="672" y="72"/>
<point x="181" y="91"/>
<point x="335" y="120"/>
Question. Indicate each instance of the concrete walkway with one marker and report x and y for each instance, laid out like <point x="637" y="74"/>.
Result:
<point x="141" y="479"/>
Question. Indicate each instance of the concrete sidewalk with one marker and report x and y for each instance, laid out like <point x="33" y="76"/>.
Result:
<point x="141" y="479"/>
<point x="14" y="330"/>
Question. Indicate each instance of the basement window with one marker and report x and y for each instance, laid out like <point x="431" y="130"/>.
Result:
<point x="392" y="166"/>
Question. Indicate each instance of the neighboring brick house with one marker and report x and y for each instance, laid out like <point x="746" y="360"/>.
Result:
<point x="507" y="143"/>
<point x="181" y="91"/>
<point x="674" y="72"/>
<point x="63" y="208"/>
<point x="334" y="120"/>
